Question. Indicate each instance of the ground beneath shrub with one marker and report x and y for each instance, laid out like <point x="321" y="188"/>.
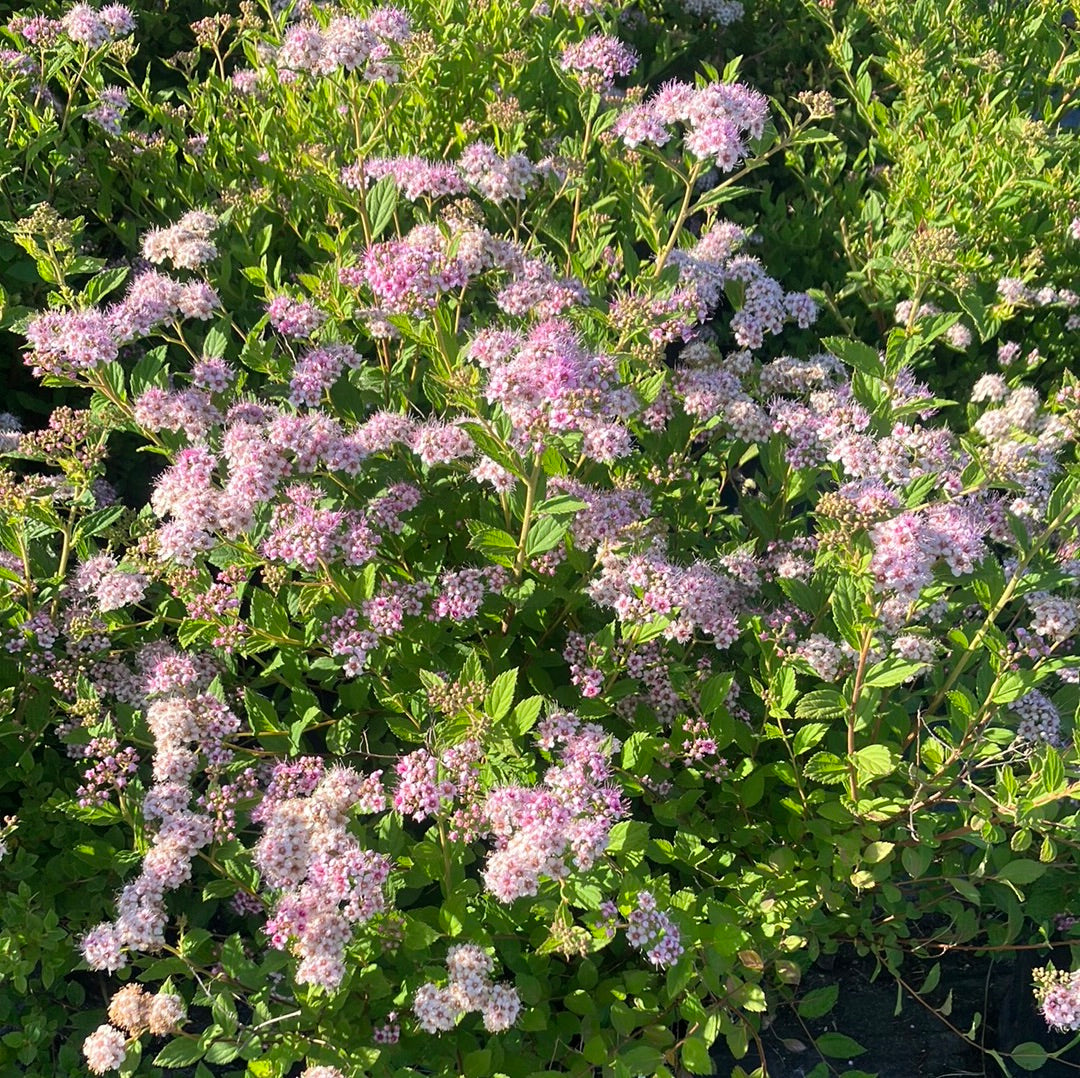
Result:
<point x="917" y="1042"/>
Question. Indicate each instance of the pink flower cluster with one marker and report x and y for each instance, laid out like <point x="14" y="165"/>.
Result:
<point x="307" y="535"/>
<point x="715" y="262"/>
<point x="67" y="342"/>
<point x="189" y="410"/>
<point x="548" y="382"/>
<point x="414" y="177"/>
<point x="717" y="119"/>
<point x="1057" y="992"/>
<point x="303" y="534"/>
<point x="105" y="1049"/>
<point x="723" y="12"/>
<point x="641" y="587"/>
<point x="316" y="371"/>
<point x="597" y="61"/>
<point x="827" y="659"/>
<point x="831" y="426"/>
<point x="653" y="931"/>
<point x="436" y="442"/>
<point x="294" y="318"/>
<point x="909" y="545"/>
<point x="426" y="784"/>
<point x="606" y="515"/>
<point x="408" y="276"/>
<point x="113" y="769"/>
<point x="460" y="593"/>
<point x="497" y="179"/>
<point x="154" y="299"/>
<point x="110" y="587"/>
<point x="348" y="44"/>
<point x="536" y="289"/>
<point x="438" y="1009"/>
<point x="327" y="883"/>
<point x="135" y="1012"/>
<point x="38" y="30"/>
<point x="260" y="447"/>
<point x="541" y="831"/>
<point x="1021" y="444"/>
<point x="93" y="28"/>
<point x="1040" y="719"/>
<point x="714" y="391"/>
<point x="109" y="111"/>
<point x="187" y="244"/>
<point x="186" y="722"/>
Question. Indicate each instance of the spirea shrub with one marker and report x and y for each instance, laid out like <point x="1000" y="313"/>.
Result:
<point x="535" y="642"/>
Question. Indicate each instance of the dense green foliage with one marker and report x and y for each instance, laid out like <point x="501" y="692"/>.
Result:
<point x="549" y="551"/>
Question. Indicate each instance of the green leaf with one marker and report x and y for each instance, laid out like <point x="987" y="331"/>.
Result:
<point x="877" y="852"/>
<point x="819" y="1002"/>
<point x="501" y="694"/>
<point x="261" y="714"/>
<point x="380" y="202"/>
<point x="856" y="354"/>
<point x="526" y="713"/>
<point x="98" y="287"/>
<point x="916" y="860"/>
<point x="820" y="704"/>
<point x="965" y="888"/>
<point x="179" y="1052"/>
<point x="838" y="1046"/>
<point x="932" y="979"/>
<point x="216" y="343"/>
<point x="545" y="533"/>
<point x="826" y="767"/>
<point x="641" y="1059"/>
<point x="97" y="522"/>
<point x="628" y="835"/>
<point x="873" y="762"/>
<point x="1021" y="872"/>
<point x="695" y="1056"/>
<point x="1013" y="685"/>
<point x="1051" y="775"/>
<point x="1030" y="1055"/>
<point x="495" y="544"/>
<point x="563" y="505"/>
<point x="892" y="671"/>
<point x="973" y="305"/>
<point x="845" y="604"/>
<point x="268" y="615"/>
<point x="221" y="1052"/>
<point x="808" y="736"/>
<point x="715" y="692"/>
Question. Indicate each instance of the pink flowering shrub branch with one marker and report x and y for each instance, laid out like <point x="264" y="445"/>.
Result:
<point x="518" y="657"/>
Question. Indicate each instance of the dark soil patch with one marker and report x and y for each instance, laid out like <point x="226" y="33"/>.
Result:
<point x="903" y="1037"/>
